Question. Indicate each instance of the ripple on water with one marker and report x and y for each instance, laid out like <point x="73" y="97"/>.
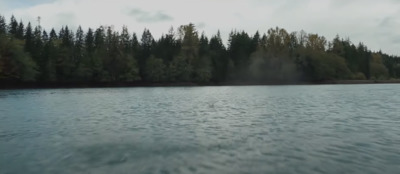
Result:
<point x="254" y="129"/>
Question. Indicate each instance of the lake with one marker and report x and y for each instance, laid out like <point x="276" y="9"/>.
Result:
<point x="240" y="129"/>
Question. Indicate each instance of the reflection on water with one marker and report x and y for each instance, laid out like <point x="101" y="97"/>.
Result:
<point x="258" y="129"/>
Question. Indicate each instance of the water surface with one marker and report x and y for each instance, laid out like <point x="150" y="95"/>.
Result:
<point x="247" y="129"/>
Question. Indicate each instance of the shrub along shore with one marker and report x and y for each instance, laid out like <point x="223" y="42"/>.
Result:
<point x="35" y="85"/>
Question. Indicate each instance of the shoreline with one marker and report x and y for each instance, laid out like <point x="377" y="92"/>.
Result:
<point x="36" y="85"/>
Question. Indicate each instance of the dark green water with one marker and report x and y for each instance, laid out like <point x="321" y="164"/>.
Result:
<point x="259" y="129"/>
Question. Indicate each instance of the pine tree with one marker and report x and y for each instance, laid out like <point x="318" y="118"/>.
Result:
<point x="166" y="47"/>
<point x="146" y="44"/>
<point x="135" y="45"/>
<point x="79" y="45"/>
<point x="239" y="50"/>
<point x="65" y="61"/>
<point x="255" y="42"/>
<point x="15" y="64"/>
<point x="219" y="58"/>
<point x="82" y="71"/>
<point x="67" y="37"/>
<point x="127" y="63"/>
<point x="89" y="42"/>
<point x="29" y="39"/>
<point x="20" y="31"/>
<point x="203" y="45"/>
<point x="99" y="38"/>
<point x="99" y="53"/>
<point x="125" y="41"/>
<point x="13" y="26"/>
<point x="45" y="37"/>
<point x="3" y="25"/>
<point x="50" y="53"/>
<point x="36" y="51"/>
<point x="53" y="35"/>
<point x="61" y="33"/>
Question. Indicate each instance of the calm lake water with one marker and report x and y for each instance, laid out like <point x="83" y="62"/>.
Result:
<point x="249" y="129"/>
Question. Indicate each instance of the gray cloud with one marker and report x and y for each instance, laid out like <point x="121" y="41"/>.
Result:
<point x="201" y="25"/>
<point x="396" y="40"/>
<point x="386" y="28"/>
<point x="387" y="22"/>
<point x="66" y="19"/>
<point x="137" y="12"/>
<point x="147" y="17"/>
<point x="158" y="17"/>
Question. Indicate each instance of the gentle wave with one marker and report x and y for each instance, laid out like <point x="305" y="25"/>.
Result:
<point x="247" y="129"/>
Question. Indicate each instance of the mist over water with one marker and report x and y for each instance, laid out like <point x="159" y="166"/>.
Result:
<point x="247" y="129"/>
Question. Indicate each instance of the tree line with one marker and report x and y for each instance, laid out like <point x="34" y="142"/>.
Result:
<point x="32" y="54"/>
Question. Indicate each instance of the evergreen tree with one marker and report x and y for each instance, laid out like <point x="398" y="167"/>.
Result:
<point x="146" y="45"/>
<point x="3" y="25"/>
<point x="239" y="51"/>
<point x="67" y="37"/>
<point x="193" y="68"/>
<point x="255" y="43"/>
<point x="15" y="63"/>
<point x="20" y="31"/>
<point x="50" y="54"/>
<point x="135" y="45"/>
<point x="155" y="70"/>
<point x="13" y="26"/>
<point x="89" y="42"/>
<point x="125" y="41"/>
<point x="99" y="53"/>
<point x="29" y="39"/>
<point x="167" y="47"/>
<point x="203" y="45"/>
<point x="61" y="33"/>
<point x="127" y="65"/>
<point x="65" y="60"/>
<point x="82" y="72"/>
<point x="220" y="61"/>
<point x="36" y="51"/>
<point x="45" y="36"/>
<point x="53" y="35"/>
<point x="99" y="38"/>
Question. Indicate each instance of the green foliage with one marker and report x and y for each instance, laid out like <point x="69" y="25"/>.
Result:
<point x="239" y="50"/>
<point x="329" y="67"/>
<point x="167" y="47"/>
<point x="316" y="42"/>
<point x="20" y="31"/>
<point x="105" y="55"/>
<point x="320" y="66"/>
<point x="359" y="76"/>
<point x="220" y="61"/>
<point x="15" y="64"/>
<point x="269" y="67"/>
<point x="145" y="50"/>
<point x="202" y="71"/>
<point x="378" y="69"/>
<point x="277" y="41"/>
<point x="131" y="70"/>
<point x="3" y="25"/>
<point x="179" y="70"/>
<point x="155" y="70"/>
<point x="190" y="43"/>
<point x="13" y="26"/>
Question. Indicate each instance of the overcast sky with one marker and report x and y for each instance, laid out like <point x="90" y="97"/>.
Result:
<point x="376" y="23"/>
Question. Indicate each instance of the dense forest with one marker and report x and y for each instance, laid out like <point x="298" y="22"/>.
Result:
<point x="30" y="54"/>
